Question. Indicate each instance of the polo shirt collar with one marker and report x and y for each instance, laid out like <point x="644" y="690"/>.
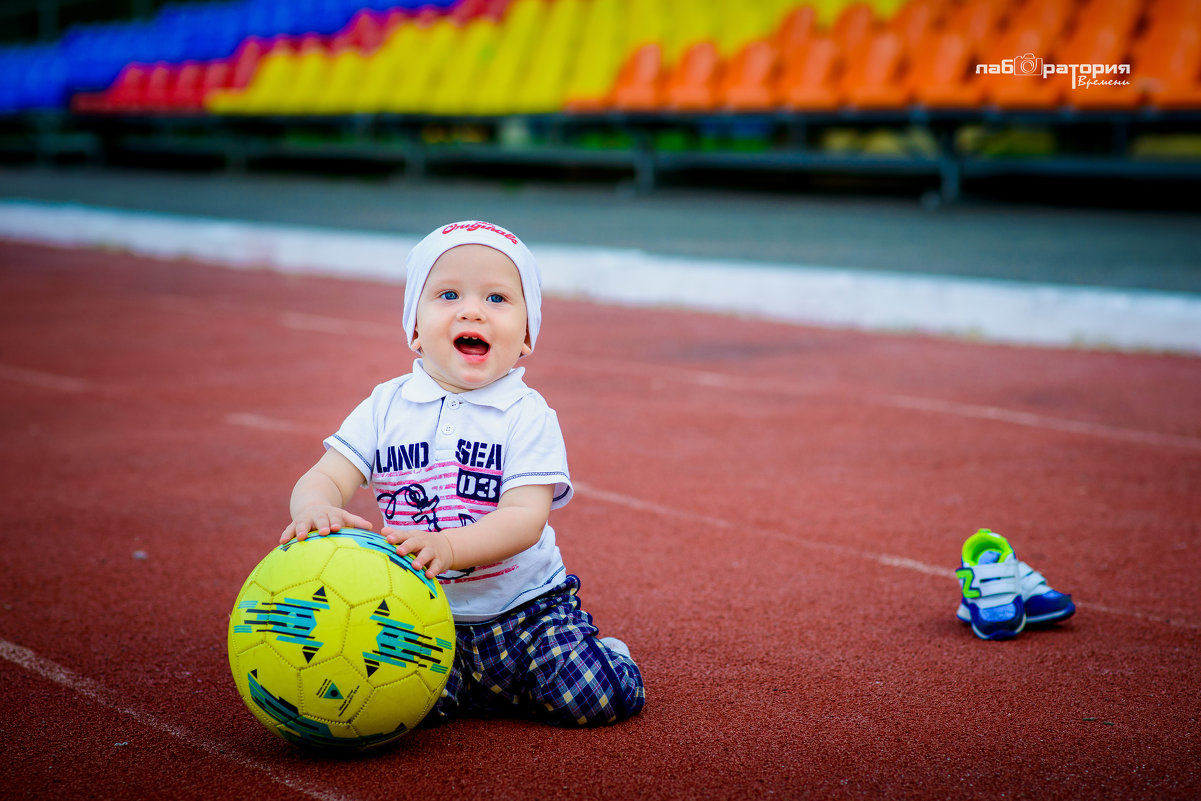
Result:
<point x="500" y="394"/>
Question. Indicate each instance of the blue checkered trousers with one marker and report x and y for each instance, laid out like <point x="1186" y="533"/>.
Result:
<point x="542" y="661"/>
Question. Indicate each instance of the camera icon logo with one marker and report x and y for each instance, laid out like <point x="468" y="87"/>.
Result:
<point x="1027" y="65"/>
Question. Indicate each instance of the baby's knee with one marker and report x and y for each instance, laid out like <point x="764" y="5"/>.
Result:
<point x="597" y="687"/>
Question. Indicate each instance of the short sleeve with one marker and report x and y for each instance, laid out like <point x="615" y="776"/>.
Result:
<point x="358" y="437"/>
<point x="535" y="452"/>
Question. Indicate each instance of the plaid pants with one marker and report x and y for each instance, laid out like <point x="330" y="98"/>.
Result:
<point x="542" y="661"/>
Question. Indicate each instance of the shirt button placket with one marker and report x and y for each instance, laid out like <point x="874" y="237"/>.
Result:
<point x="446" y="424"/>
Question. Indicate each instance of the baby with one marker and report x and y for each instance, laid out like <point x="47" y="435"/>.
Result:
<point x="466" y="463"/>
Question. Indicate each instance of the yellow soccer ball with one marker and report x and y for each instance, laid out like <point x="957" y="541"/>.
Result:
<point x="337" y="641"/>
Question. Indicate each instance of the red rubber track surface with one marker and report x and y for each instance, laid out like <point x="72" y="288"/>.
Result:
<point x="768" y="514"/>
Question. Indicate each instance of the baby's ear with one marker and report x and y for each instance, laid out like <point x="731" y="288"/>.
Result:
<point x="415" y="345"/>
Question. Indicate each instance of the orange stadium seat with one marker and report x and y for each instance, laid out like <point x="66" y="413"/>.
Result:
<point x="692" y="85"/>
<point x="808" y="83"/>
<point x="1169" y="69"/>
<point x="978" y="21"/>
<point x="795" y="31"/>
<point x="749" y="81"/>
<point x="639" y="85"/>
<point x="915" y="21"/>
<point x="939" y="71"/>
<point x="1013" y="90"/>
<point x="852" y="27"/>
<point x="871" y="78"/>
<point x="1102" y="45"/>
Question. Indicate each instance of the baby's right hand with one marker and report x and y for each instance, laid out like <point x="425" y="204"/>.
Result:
<point x="323" y="520"/>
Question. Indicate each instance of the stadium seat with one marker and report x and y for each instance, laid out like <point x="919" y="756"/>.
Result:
<point x="795" y="31"/>
<point x="939" y="71"/>
<point x="186" y="91"/>
<point x="274" y="76"/>
<point x="418" y="50"/>
<point x="851" y="30"/>
<point x="517" y="32"/>
<point x="544" y="86"/>
<point x="337" y="92"/>
<point x="160" y="83"/>
<point x="365" y="31"/>
<point x="808" y="83"/>
<point x="871" y="78"/>
<point x="1012" y="90"/>
<point x="692" y="85"/>
<point x="473" y="53"/>
<point x="915" y="21"/>
<point x="1100" y="45"/>
<point x="749" y="81"/>
<point x="126" y="92"/>
<point x="599" y="59"/>
<point x="978" y="22"/>
<point x="1169" y="68"/>
<point x="639" y="85"/>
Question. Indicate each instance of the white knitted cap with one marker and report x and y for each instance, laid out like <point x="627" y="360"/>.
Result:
<point x="472" y="232"/>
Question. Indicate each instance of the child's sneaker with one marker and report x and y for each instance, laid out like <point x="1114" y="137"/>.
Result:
<point x="1043" y="604"/>
<point x="992" y="589"/>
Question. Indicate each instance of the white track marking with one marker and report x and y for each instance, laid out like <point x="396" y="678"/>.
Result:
<point x="999" y="414"/>
<point x="341" y="326"/>
<point x="264" y="423"/>
<point x="713" y="379"/>
<point x="38" y="378"/>
<point x="92" y="690"/>
<point x="889" y="560"/>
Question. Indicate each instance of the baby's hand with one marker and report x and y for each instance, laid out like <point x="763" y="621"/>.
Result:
<point x="430" y="549"/>
<point x="322" y="519"/>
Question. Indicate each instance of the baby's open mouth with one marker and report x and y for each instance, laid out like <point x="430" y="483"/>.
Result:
<point x="471" y="346"/>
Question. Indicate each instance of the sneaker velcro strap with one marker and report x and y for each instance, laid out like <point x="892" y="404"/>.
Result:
<point x="997" y="578"/>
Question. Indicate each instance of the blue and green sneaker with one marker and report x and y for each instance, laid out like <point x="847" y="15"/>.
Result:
<point x="992" y="589"/>
<point x="1044" y="605"/>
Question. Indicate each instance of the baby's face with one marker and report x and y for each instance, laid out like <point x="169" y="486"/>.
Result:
<point x="471" y="318"/>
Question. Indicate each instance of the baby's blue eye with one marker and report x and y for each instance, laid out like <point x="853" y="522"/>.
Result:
<point x="496" y="297"/>
<point x="449" y="294"/>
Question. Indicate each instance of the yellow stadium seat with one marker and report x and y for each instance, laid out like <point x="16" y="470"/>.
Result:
<point x="516" y="34"/>
<point x="344" y="83"/>
<point x="461" y="73"/>
<point x="544" y="86"/>
<point x="599" y="57"/>
<point x="418" y="70"/>
<point x="274" y="74"/>
<point x="383" y="72"/>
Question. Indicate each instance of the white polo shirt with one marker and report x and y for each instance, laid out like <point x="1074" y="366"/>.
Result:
<point x="437" y="461"/>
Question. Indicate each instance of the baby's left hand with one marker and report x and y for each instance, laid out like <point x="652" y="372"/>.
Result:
<point x="430" y="549"/>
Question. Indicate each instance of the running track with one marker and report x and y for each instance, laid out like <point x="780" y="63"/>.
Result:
<point x="768" y="514"/>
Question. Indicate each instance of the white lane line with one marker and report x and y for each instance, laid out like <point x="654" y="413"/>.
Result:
<point x="712" y="379"/>
<point x="264" y="423"/>
<point x="1030" y="420"/>
<point x="45" y="380"/>
<point x="340" y="326"/>
<point x="889" y="560"/>
<point x="92" y="690"/>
